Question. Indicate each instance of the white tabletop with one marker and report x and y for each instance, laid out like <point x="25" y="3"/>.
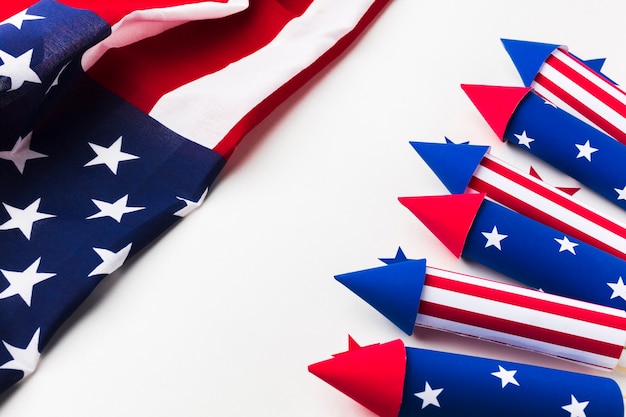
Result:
<point x="222" y="315"/>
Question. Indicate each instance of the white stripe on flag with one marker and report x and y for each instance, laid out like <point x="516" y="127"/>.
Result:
<point x="221" y="99"/>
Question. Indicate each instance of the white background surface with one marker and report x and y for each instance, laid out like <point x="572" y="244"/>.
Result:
<point x="222" y="316"/>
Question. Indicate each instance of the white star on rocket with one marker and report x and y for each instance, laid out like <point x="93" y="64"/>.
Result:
<point x="429" y="396"/>
<point x="21" y="153"/>
<point x="621" y="193"/>
<point x="111" y="156"/>
<point x="110" y="260"/>
<point x="190" y="205"/>
<point x="506" y="377"/>
<point x="619" y="289"/>
<point x="523" y="139"/>
<point x="566" y="245"/>
<point x="23" y="219"/>
<point x="575" y="408"/>
<point x="18" y="19"/>
<point x="113" y="210"/>
<point x="585" y="151"/>
<point x="26" y="359"/>
<point x="18" y="69"/>
<point x="494" y="238"/>
<point x="22" y="283"/>
<point x="549" y="103"/>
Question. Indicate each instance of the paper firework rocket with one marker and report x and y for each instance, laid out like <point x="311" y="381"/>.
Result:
<point x="392" y="380"/>
<point x="521" y="248"/>
<point x="572" y="84"/>
<point x="471" y="167"/>
<point x="115" y="122"/>
<point x="410" y="294"/>
<point x="522" y="117"/>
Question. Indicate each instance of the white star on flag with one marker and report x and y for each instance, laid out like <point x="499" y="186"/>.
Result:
<point x="619" y="289"/>
<point x="523" y="139"/>
<point x="575" y="408"/>
<point x="566" y="245"/>
<point x="22" y="283"/>
<point x="111" y="261"/>
<point x="111" y="156"/>
<point x="506" y="377"/>
<point x="26" y="359"/>
<point x="429" y="396"/>
<point x="18" y="19"/>
<point x="621" y="193"/>
<point x="113" y="210"/>
<point x="23" y="219"/>
<point x="18" y="69"/>
<point x="585" y="151"/>
<point x="21" y="153"/>
<point x="494" y="238"/>
<point x="55" y="82"/>
<point x="190" y="205"/>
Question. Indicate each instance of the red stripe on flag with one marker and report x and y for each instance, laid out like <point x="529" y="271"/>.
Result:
<point x="160" y="64"/>
<point x="537" y="304"/>
<point x="558" y="199"/>
<point x="520" y="329"/>
<point x="581" y="108"/>
<point x="265" y="107"/>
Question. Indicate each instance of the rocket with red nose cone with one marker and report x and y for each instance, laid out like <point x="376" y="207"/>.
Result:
<point x="520" y="116"/>
<point x="521" y="248"/>
<point x="392" y="380"/>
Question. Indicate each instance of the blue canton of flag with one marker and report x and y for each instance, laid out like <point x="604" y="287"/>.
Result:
<point x="90" y="184"/>
<point x="35" y="46"/>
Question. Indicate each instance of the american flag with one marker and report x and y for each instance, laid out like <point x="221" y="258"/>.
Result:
<point x="392" y="380"/>
<point x="560" y="139"/>
<point x="471" y="167"/>
<point x="523" y="249"/>
<point x="95" y="165"/>
<point x="410" y="294"/>
<point x="571" y="84"/>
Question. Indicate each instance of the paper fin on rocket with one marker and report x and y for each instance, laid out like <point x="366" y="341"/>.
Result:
<point x="449" y="217"/>
<point x="453" y="164"/>
<point x="528" y="57"/>
<point x="372" y="375"/>
<point x="567" y="190"/>
<point x="496" y="103"/>
<point x="394" y="290"/>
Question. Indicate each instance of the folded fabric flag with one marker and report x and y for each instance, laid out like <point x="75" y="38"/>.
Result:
<point x="471" y="167"/>
<point x="522" y="117"/>
<point x="410" y="294"/>
<point x="90" y="177"/>
<point x="392" y="380"/>
<point x="526" y="250"/>
<point x="572" y="84"/>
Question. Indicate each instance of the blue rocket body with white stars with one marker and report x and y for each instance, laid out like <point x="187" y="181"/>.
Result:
<point x="523" y="249"/>
<point x="397" y="381"/>
<point x="522" y="117"/>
